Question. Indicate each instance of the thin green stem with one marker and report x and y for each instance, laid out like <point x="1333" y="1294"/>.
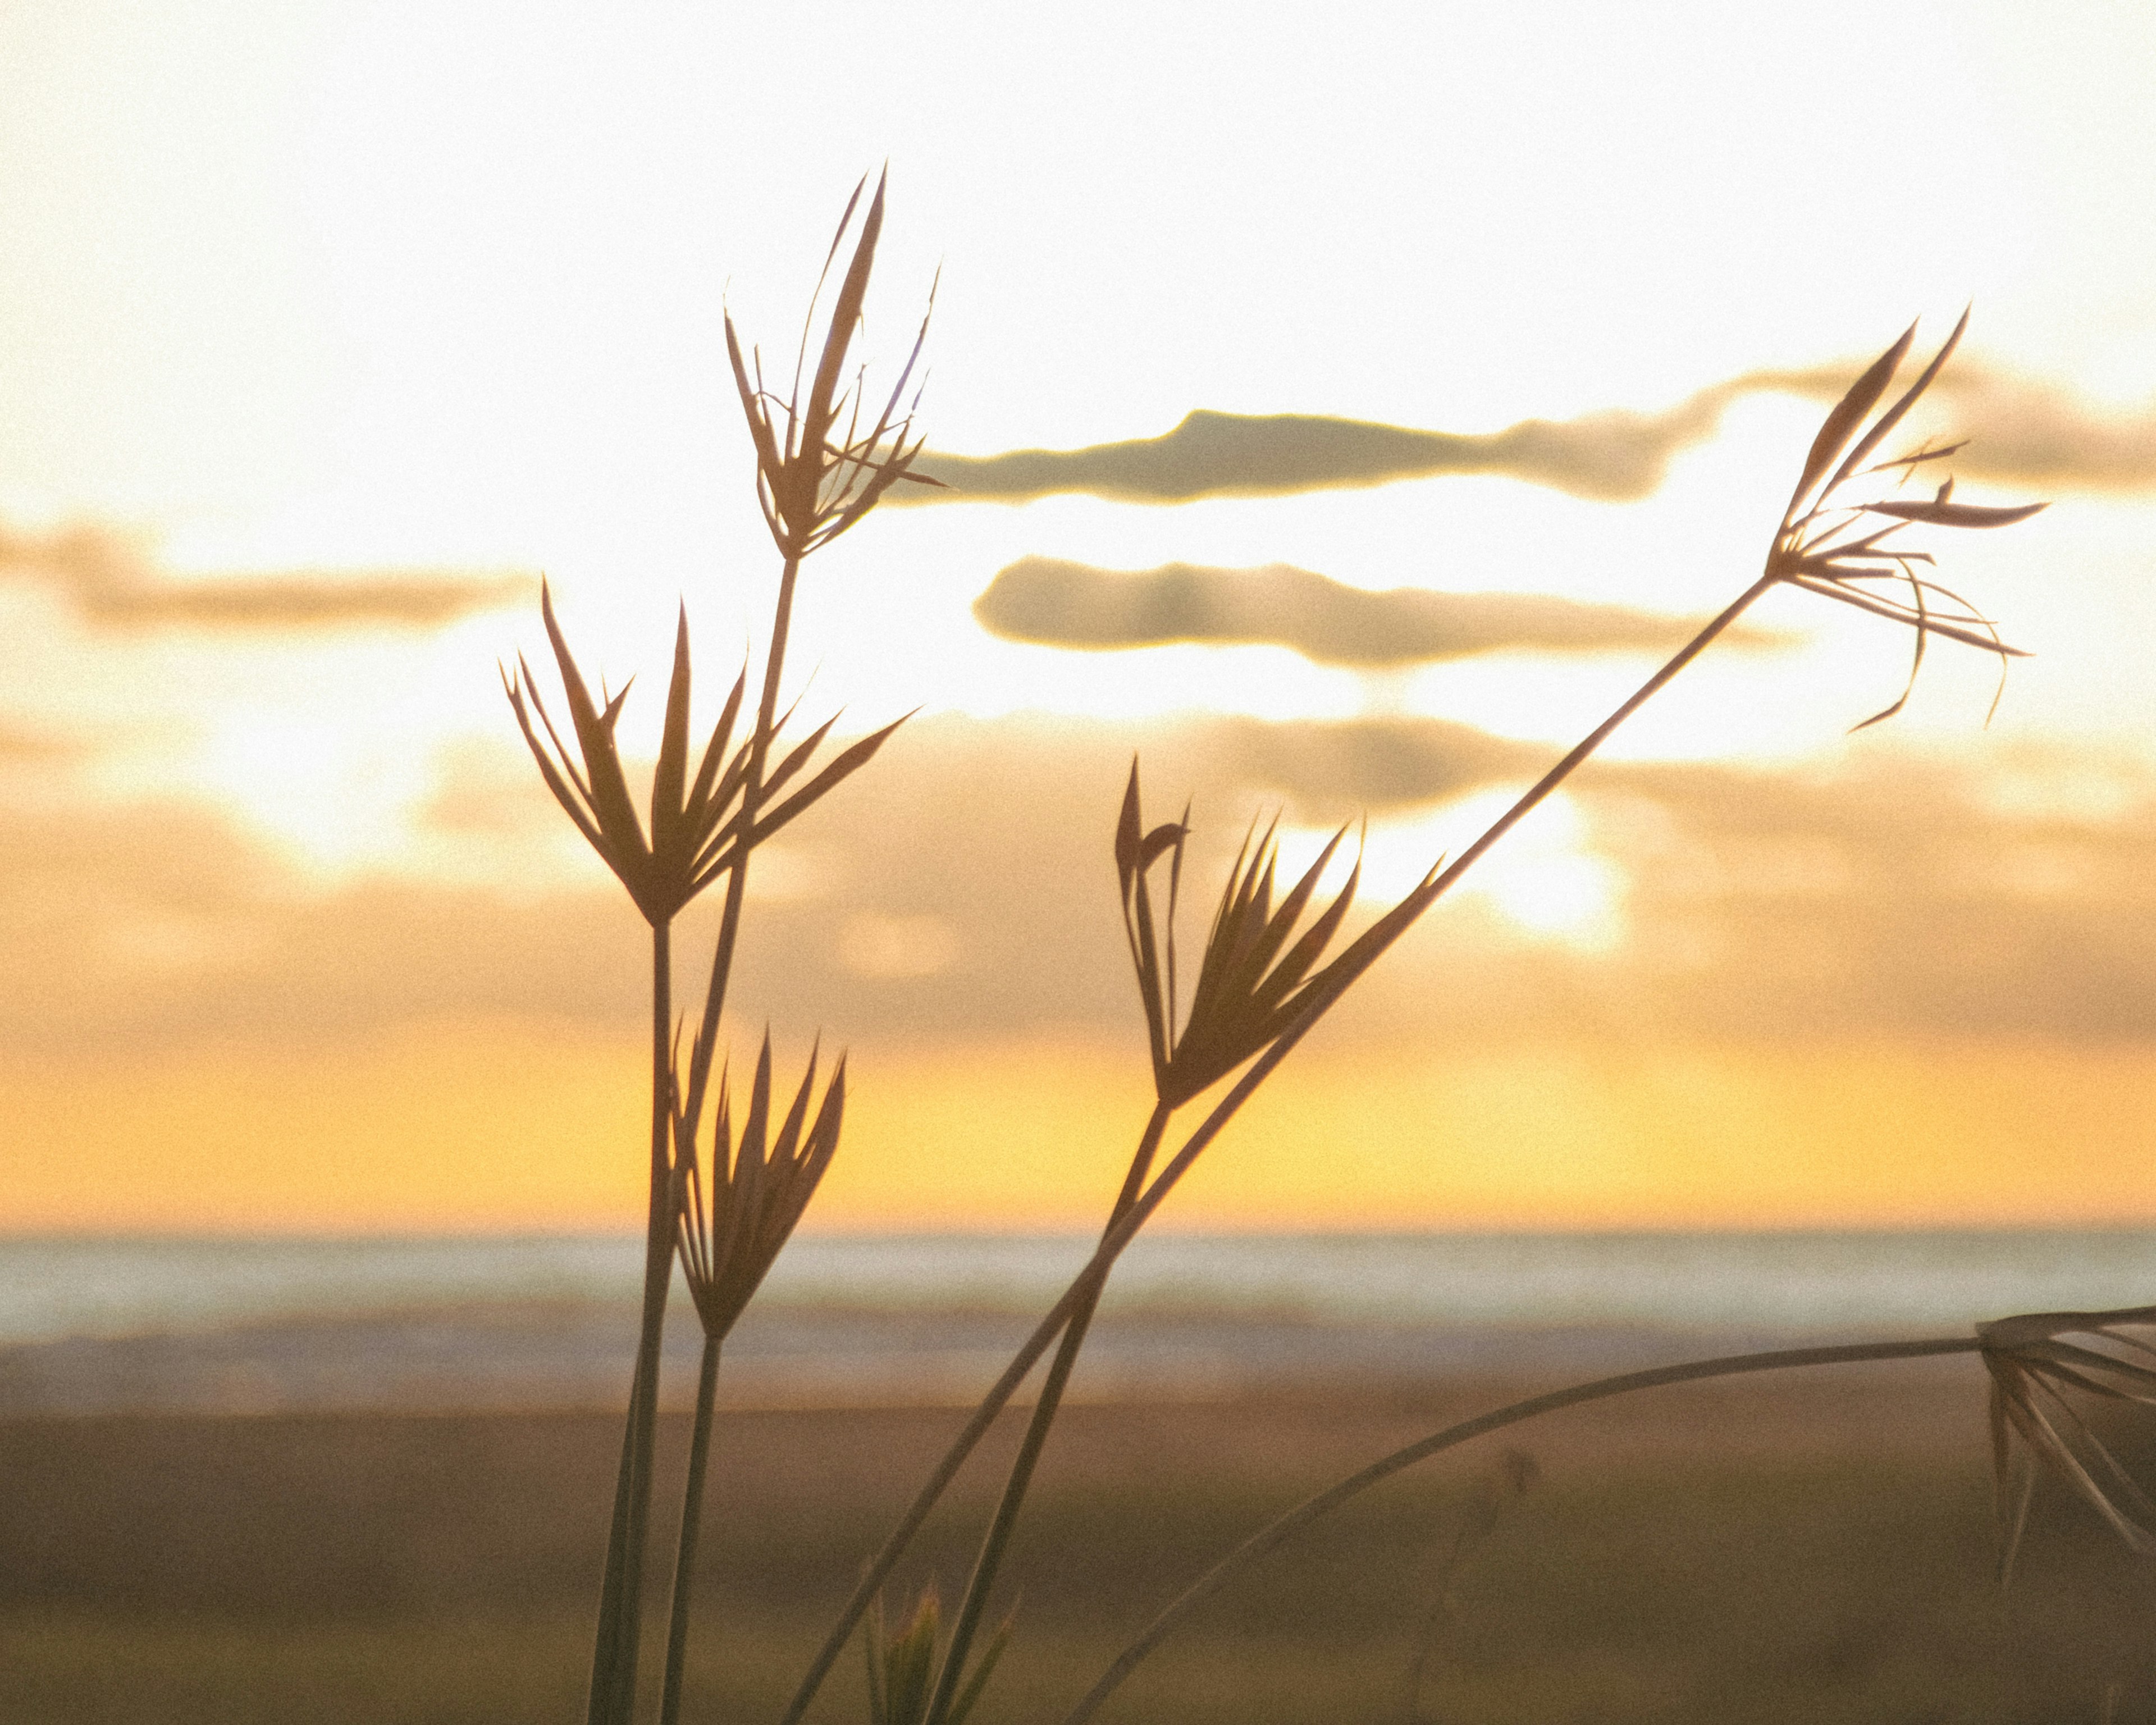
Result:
<point x="701" y="1052"/>
<point x="752" y="796"/>
<point x="692" y="1516"/>
<point x="1000" y="1527"/>
<point x="1286" y="1526"/>
<point x="614" y="1652"/>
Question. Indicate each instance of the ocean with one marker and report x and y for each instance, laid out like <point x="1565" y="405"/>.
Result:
<point x="90" y="1325"/>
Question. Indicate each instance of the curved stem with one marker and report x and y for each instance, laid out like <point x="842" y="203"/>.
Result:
<point x="1045" y="1410"/>
<point x="1277" y="1531"/>
<point x="692" y="1518"/>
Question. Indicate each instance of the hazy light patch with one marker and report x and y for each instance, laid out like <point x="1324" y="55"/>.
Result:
<point x="884" y="947"/>
<point x="2083" y="791"/>
<point x="794" y="874"/>
<point x="1543" y="878"/>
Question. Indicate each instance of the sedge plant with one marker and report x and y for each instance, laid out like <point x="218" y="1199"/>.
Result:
<point x="1260" y="988"/>
<point x="823" y="460"/>
<point x="1263" y="981"/>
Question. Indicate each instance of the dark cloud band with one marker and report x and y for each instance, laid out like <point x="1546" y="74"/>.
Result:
<point x="1615" y="456"/>
<point x="111" y="585"/>
<point x="1053" y="603"/>
<point x="2026" y="433"/>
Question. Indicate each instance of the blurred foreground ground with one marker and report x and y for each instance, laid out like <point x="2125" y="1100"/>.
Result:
<point x="1818" y="1548"/>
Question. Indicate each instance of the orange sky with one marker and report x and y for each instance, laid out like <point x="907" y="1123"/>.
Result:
<point x="479" y="1127"/>
<point x="329" y="327"/>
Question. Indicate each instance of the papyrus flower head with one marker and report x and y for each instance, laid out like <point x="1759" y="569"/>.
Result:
<point x="759" y="1186"/>
<point x="1251" y="984"/>
<point x="2041" y="1364"/>
<point x="1850" y="548"/>
<point x="813" y="479"/>
<point x="695" y="825"/>
<point x="687" y="820"/>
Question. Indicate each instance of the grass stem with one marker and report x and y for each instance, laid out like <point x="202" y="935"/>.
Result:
<point x="1045" y="1409"/>
<point x="620" y="1626"/>
<point x="1287" y="1526"/>
<point x="752" y="796"/>
<point x="692" y="1516"/>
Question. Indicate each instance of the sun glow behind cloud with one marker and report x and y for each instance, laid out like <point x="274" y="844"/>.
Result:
<point x="310" y="294"/>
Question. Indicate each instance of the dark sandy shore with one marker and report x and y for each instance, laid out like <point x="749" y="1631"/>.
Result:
<point x="1818" y="1546"/>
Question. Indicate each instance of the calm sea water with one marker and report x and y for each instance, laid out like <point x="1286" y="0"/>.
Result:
<point x="93" y="1324"/>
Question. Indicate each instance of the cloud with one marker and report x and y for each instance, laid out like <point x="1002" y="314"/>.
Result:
<point x="964" y="887"/>
<point x="2024" y="431"/>
<point x="111" y="585"/>
<point x="1066" y="605"/>
<point x="1614" y="457"/>
<point x="2021" y="432"/>
<point x="1898" y="898"/>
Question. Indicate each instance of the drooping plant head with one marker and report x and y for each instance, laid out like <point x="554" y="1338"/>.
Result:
<point x="1251" y="983"/>
<point x="812" y="480"/>
<point x="759" y="1186"/>
<point x="2036" y="1376"/>
<point x="695" y="825"/>
<point x="1839" y="550"/>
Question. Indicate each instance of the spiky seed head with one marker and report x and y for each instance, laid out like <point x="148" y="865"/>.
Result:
<point x="902" y="1669"/>
<point x="1835" y="548"/>
<point x="696" y="827"/>
<point x="759" y="1185"/>
<point x="1252" y="983"/>
<point x="592" y="786"/>
<point x="2041" y="1364"/>
<point x="814" y="480"/>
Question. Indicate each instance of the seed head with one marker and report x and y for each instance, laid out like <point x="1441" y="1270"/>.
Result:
<point x="903" y="1668"/>
<point x="759" y="1187"/>
<point x="2033" y="1369"/>
<point x="1834" y="548"/>
<point x="1249" y="990"/>
<point x="814" y="484"/>
<point x="696" y="828"/>
<point x="688" y="821"/>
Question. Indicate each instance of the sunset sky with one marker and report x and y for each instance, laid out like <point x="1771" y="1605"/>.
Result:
<point x="329" y="328"/>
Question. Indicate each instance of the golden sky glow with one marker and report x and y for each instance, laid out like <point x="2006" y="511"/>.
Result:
<point x="329" y="326"/>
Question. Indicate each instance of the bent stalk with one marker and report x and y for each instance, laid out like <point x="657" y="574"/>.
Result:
<point x="1278" y="1531"/>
